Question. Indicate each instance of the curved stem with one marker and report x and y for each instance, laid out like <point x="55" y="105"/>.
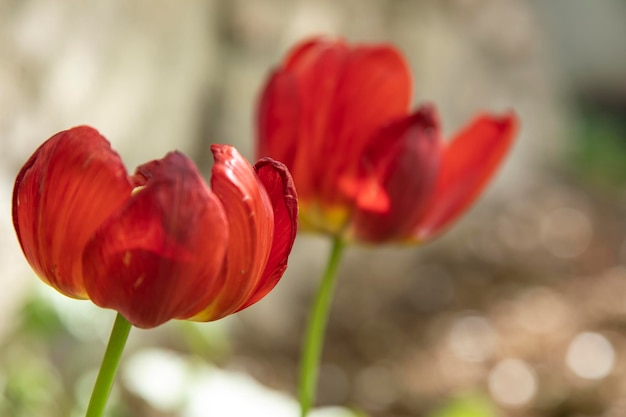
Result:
<point x="108" y="368"/>
<point x="316" y="326"/>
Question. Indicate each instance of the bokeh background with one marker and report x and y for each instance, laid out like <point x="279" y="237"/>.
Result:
<point x="519" y="310"/>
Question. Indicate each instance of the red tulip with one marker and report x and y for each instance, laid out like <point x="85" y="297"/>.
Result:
<point x="160" y="244"/>
<point x="365" y="167"/>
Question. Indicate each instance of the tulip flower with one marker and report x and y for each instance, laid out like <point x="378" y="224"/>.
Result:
<point x="160" y="244"/>
<point x="366" y="168"/>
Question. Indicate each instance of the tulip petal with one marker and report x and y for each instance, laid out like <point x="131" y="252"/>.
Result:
<point x="295" y="109"/>
<point x="282" y="193"/>
<point x="374" y="89"/>
<point x="469" y="161"/>
<point x="327" y="99"/>
<point x="278" y="118"/>
<point x="160" y="256"/>
<point x="70" y="185"/>
<point x="251" y="225"/>
<point x="400" y="169"/>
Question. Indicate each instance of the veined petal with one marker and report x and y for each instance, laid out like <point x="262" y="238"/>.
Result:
<point x="65" y="191"/>
<point x="159" y="257"/>
<point x="469" y="161"/>
<point x="373" y="89"/>
<point x="334" y="96"/>
<point x="250" y="218"/>
<point x="312" y="70"/>
<point x="399" y="170"/>
<point x="278" y="118"/>
<point x="282" y="193"/>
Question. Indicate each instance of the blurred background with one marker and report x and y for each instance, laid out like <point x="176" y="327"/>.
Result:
<point x="519" y="310"/>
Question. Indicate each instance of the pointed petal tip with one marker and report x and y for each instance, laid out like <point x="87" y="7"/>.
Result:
<point x="281" y="169"/>
<point x="504" y="127"/>
<point x="219" y="148"/>
<point x="511" y="121"/>
<point x="507" y="121"/>
<point x="289" y="191"/>
<point x="427" y="116"/>
<point x="224" y="156"/>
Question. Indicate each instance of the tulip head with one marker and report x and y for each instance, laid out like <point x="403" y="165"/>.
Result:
<point x="160" y="244"/>
<point x="367" y="168"/>
<point x="317" y="114"/>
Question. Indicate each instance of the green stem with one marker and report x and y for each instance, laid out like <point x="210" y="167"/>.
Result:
<point x="314" y="338"/>
<point x="108" y="368"/>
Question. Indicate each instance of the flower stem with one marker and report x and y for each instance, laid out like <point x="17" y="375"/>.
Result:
<point x="108" y="368"/>
<point x="316" y="326"/>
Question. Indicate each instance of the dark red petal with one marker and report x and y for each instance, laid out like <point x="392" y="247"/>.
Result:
<point x="68" y="187"/>
<point x="282" y="193"/>
<point x="398" y="174"/>
<point x="251" y="224"/>
<point x="469" y="162"/>
<point x="159" y="257"/>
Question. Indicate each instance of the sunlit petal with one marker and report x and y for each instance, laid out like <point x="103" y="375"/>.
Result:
<point x="373" y="89"/>
<point x="159" y="257"/>
<point x="278" y="118"/>
<point x="282" y="193"/>
<point x="324" y="103"/>
<point x="68" y="187"/>
<point x="251" y="224"/>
